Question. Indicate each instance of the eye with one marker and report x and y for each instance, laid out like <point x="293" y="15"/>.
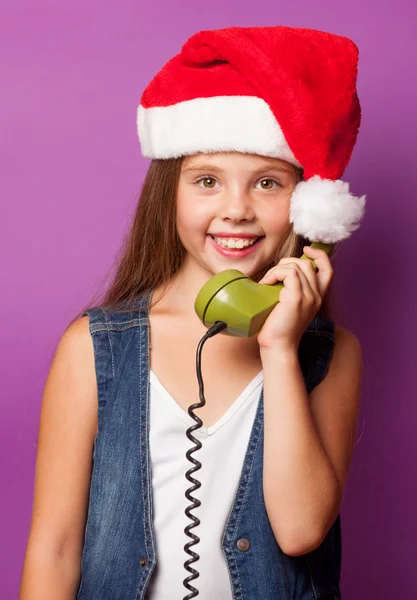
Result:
<point x="211" y="182"/>
<point x="267" y="181"/>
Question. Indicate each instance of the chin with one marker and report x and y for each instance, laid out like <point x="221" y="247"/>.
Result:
<point x="254" y="274"/>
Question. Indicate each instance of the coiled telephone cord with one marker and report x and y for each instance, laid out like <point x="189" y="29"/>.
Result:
<point x="215" y="329"/>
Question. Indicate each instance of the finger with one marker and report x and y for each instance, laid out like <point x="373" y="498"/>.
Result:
<point x="325" y="270"/>
<point x="293" y="278"/>
<point x="310" y="295"/>
<point x="306" y="266"/>
<point x="292" y="282"/>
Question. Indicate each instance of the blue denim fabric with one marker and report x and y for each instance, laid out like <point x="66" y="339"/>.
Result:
<point x="119" y="553"/>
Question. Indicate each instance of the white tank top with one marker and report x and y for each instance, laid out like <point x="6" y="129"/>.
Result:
<point x="223" y="450"/>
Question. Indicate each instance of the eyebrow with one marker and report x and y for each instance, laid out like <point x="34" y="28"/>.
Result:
<point x="208" y="167"/>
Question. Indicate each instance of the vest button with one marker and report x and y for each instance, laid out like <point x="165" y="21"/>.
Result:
<point x="243" y="544"/>
<point x="143" y="561"/>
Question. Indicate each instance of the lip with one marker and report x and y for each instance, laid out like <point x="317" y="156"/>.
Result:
<point x="231" y="253"/>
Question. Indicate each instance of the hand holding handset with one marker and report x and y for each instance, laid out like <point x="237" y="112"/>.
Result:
<point x="232" y="297"/>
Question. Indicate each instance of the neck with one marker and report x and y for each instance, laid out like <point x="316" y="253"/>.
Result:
<point x="177" y="299"/>
<point x="179" y="294"/>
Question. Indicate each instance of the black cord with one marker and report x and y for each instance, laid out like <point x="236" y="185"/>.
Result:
<point x="215" y="329"/>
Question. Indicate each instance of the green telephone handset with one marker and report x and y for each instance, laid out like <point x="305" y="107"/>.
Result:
<point x="232" y="297"/>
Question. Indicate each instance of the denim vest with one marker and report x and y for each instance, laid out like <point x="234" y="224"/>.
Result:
<point x="119" y="553"/>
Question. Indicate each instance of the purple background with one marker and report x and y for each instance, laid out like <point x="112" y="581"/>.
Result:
<point x="71" y="77"/>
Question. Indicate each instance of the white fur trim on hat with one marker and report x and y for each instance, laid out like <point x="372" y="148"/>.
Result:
<point x="323" y="210"/>
<point x="215" y="124"/>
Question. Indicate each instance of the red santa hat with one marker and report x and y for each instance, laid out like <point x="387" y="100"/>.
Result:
<point x="276" y="91"/>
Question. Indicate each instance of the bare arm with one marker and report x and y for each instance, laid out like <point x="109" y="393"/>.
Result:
<point x="68" y="425"/>
<point x="309" y="442"/>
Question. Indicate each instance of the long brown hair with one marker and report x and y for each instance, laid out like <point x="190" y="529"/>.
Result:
<point x="152" y="252"/>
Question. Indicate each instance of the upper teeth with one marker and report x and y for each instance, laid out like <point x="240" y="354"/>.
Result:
<point x="235" y="242"/>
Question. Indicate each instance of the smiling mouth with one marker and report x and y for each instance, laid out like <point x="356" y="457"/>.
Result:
<point x="236" y="243"/>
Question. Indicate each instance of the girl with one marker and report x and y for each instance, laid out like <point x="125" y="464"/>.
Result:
<point x="249" y="130"/>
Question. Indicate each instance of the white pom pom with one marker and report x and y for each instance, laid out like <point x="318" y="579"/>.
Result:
<point x="323" y="210"/>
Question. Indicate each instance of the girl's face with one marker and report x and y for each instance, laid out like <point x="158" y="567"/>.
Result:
<point x="230" y="196"/>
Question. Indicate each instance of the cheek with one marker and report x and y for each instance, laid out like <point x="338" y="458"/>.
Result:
<point x="276" y="221"/>
<point x="192" y="217"/>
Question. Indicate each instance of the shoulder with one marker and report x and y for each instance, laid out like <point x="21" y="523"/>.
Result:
<point x="347" y="345"/>
<point x="338" y="362"/>
<point x="76" y="330"/>
<point x="76" y="337"/>
<point x="344" y="370"/>
<point x="73" y="362"/>
<point x="71" y="388"/>
<point x="345" y="362"/>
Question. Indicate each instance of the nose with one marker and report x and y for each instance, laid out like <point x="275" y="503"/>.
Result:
<point x="237" y="206"/>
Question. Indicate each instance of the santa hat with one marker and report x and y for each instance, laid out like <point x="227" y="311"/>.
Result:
<point x="276" y="91"/>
